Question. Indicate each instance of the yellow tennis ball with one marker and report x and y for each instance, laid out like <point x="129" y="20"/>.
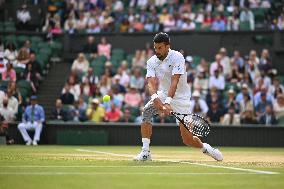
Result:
<point x="106" y="98"/>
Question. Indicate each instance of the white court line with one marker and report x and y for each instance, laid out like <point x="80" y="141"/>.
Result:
<point x="118" y="173"/>
<point x="84" y="166"/>
<point x="191" y="163"/>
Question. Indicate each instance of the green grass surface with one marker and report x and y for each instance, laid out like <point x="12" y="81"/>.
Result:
<point x="108" y="167"/>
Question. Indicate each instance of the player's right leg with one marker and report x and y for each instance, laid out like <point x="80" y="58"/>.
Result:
<point x="146" y="131"/>
<point x="190" y="140"/>
<point x="23" y="127"/>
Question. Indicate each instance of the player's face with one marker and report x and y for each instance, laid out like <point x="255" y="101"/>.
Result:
<point x="161" y="50"/>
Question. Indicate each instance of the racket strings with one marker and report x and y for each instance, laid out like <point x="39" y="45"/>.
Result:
<point x="197" y="125"/>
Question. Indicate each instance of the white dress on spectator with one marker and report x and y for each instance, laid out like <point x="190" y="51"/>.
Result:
<point x="202" y="104"/>
<point x="279" y="110"/>
<point x="218" y="82"/>
<point x="12" y="102"/>
<point x="80" y="66"/>
<point x="7" y="113"/>
<point x="11" y="55"/>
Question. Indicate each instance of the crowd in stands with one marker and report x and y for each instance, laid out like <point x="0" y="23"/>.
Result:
<point x="236" y="89"/>
<point x="23" y="64"/>
<point x="96" y="16"/>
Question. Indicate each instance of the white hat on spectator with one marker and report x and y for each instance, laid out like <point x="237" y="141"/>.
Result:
<point x="196" y="94"/>
<point x="188" y="58"/>
<point x="117" y="76"/>
<point x="223" y="50"/>
<point x="108" y="63"/>
<point x="244" y="86"/>
<point x="231" y="91"/>
<point x="95" y="101"/>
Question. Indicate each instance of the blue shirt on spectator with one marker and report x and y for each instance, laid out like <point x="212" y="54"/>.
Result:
<point x="218" y="25"/>
<point x="33" y="114"/>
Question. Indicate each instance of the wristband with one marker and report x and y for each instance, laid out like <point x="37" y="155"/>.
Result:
<point x="168" y="100"/>
<point x="154" y="96"/>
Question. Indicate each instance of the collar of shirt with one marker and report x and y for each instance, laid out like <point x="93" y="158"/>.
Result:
<point x="166" y="59"/>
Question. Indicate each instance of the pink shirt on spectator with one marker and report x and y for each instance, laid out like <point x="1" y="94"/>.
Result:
<point x="11" y="75"/>
<point x="133" y="99"/>
<point x="104" y="50"/>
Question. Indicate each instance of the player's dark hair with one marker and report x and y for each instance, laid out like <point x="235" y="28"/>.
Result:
<point x="162" y="38"/>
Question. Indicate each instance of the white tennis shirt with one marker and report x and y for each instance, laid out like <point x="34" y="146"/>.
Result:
<point x="174" y="63"/>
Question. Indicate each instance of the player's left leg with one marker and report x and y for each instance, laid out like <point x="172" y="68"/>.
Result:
<point x="38" y="128"/>
<point x="190" y="140"/>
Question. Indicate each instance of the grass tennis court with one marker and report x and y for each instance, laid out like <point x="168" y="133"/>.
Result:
<point x="107" y="167"/>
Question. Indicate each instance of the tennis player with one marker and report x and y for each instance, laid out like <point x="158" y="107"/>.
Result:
<point x="168" y="68"/>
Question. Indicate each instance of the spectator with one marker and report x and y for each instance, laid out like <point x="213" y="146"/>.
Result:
<point x="198" y="105"/>
<point x="96" y="112"/>
<point x="74" y="87"/>
<point x="233" y="23"/>
<point x="4" y="130"/>
<point x="215" y="112"/>
<point x="207" y="21"/>
<point x="82" y="22"/>
<point x="35" y="66"/>
<point x="231" y="118"/>
<point x="22" y="59"/>
<point x="58" y="113"/>
<point x="91" y="46"/>
<point x="67" y="97"/>
<point x="232" y="100"/>
<point x="78" y="112"/>
<point x="12" y="101"/>
<point x="115" y="99"/>
<point x="261" y="106"/>
<point x="247" y="16"/>
<point x="265" y="62"/>
<point x="104" y="48"/>
<point x="81" y="64"/>
<point x="257" y="96"/>
<point x="217" y="81"/>
<point x="104" y="86"/>
<point x="132" y="98"/>
<point x="218" y="64"/>
<point x="30" y="76"/>
<point x="139" y="59"/>
<point x="10" y="73"/>
<point x="244" y="91"/>
<point x="87" y="89"/>
<point x="136" y="80"/>
<point x="117" y="86"/>
<point x="33" y="118"/>
<point x="218" y="24"/>
<point x="6" y="111"/>
<point x="3" y="62"/>
<point x="268" y="118"/>
<point x="93" y="80"/>
<point x="225" y="61"/>
<point x="70" y="24"/>
<point x="266" y="80"/>
<point x="113" y="115"/>
<point x="126" y="117"/>
<point x="247" y="117"/>
<point x="11" y="52"/>
<point x="24" y="17"/>
<point x="278" y="106"/>
<point x="276" y="88"/>
<point x="237" y="59"/>
<point x="201" y="82"/>
<point x="246" y="104"/>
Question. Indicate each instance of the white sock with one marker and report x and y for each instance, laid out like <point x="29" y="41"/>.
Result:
<point x="146" y="143"/>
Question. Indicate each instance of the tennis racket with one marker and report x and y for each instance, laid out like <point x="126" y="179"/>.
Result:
<point x="194" y="123"/>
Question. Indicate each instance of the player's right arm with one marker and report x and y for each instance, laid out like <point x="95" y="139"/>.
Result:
<point x="151" y="79"/>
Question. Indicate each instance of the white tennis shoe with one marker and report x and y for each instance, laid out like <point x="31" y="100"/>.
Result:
<point x="212" y="152"/>
<point x="144" y="155"/>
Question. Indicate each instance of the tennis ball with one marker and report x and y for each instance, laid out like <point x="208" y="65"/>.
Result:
<point x="106" y="98"/>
